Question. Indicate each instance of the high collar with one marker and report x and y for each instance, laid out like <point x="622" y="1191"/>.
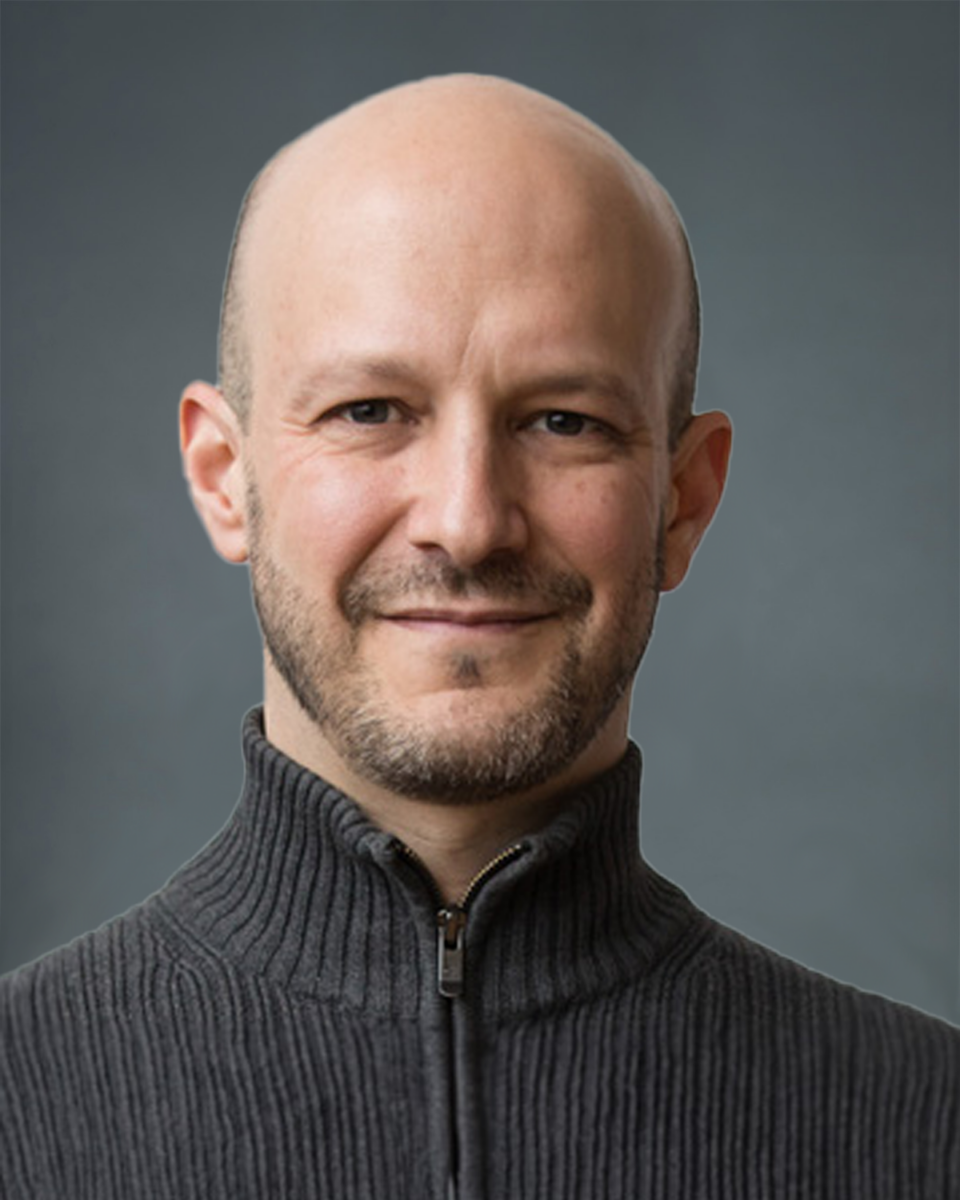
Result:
<point x="302" y="889"/>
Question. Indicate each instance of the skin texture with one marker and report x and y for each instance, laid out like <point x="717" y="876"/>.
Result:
<point x="461" y="306"/>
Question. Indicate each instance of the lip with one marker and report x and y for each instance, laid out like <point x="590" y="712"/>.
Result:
<point x="456" y="618"/>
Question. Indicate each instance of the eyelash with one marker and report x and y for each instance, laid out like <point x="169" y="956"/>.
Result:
<point x="385" y="406"/>
<point x="586" y="424"/>
<point x="348" y="409"/>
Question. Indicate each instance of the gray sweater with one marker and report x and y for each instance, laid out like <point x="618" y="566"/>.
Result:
<point x="273" y="1025"/>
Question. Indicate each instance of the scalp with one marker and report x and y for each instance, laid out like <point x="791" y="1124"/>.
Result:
<point x="491" y="149"/>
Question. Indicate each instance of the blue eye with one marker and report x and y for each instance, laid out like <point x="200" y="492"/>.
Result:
<point x="367" y="412"/>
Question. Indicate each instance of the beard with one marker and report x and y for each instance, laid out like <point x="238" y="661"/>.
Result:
<point x="470" y="760"/>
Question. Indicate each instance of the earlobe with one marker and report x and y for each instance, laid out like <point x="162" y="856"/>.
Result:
<point x="697" y="476"/>
<point x="210" y="445"/>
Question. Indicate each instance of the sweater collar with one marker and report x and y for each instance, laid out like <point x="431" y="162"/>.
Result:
<point x="302" y="889"/>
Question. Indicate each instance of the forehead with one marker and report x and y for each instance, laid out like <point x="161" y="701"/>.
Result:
<point x="518" y="244"/>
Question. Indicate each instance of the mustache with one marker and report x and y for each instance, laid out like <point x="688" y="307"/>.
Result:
<point x="497" y="579"/>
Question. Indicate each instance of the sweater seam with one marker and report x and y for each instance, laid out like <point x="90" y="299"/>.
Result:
<point x="189" y="958"/>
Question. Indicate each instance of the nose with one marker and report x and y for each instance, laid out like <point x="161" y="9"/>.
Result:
<point x="467" y="497"/>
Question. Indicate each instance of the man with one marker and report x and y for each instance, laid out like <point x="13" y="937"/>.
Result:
<point x="454" y="438"/>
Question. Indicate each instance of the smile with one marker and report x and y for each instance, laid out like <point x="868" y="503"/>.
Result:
<point x="470" y="621"/>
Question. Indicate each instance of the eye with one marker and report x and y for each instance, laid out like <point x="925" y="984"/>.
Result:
<point x="566" y="424"/>
<point x="367" y="412"/>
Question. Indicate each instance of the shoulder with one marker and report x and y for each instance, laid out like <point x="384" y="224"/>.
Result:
<point x="79" y="1029"/>
<point x="58" y="1012"/>
<point x="867" y="1088"/>
<point x="812" y="1018"/>
<point x="771" y="979"/>
<point x="102" y="968"/>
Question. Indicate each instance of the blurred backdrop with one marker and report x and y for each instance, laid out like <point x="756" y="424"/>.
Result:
<point x="798" y="709"/>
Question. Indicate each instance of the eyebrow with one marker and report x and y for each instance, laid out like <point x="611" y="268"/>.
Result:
<point x="390" y="369"/>
<point x="603" y="383"/>
<point x="343" y="370"/>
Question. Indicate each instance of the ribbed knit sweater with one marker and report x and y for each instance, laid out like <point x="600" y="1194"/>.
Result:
<point x="270" y="1025"/>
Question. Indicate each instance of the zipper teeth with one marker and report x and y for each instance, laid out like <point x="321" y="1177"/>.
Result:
<point x="421" y="866"/>
<point x="493" y="865"/>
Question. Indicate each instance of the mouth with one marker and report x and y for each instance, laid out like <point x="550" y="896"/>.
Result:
<point x="478" y="620"/>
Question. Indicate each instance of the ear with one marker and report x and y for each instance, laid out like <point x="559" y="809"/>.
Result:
<point x="698" y="471"/>
<point x="211" y="444"/>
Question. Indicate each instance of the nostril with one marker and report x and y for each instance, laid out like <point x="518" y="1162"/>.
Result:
<point x="468" y="521"/>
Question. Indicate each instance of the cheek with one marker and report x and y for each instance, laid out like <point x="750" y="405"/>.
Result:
<point x="326" y="517"/>
<point x="604" y="529"/>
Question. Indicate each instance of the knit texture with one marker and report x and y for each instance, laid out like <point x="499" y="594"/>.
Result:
<point x="269" y="1026"/>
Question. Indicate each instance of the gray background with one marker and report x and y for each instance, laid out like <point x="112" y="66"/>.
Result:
<point x="798" y="709"/>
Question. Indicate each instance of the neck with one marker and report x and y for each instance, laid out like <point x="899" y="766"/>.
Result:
<point x="454" y="841"/>
<point x="300" y="888"/>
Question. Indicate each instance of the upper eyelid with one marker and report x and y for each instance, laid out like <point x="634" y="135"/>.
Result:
<point x="343" y="406"/>
<point x="398" y="406"/>
<point x="587" y="418"/>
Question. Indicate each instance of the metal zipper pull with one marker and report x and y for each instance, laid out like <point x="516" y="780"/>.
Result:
<point x="451" y="923"/>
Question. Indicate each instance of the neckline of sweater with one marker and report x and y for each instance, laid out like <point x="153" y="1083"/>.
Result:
<point x="300" y="888"/>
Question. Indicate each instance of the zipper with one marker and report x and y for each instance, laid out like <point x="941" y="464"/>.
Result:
<point x="452" y="918"/>
<point x="451" y="924"/>
<point x="451" y="936"/>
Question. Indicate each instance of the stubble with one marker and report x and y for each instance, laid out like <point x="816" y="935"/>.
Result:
<point x="493" y="756"/>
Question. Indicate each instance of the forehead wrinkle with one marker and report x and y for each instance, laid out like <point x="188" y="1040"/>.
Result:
<point x="418" y="132"/>
<point x="348" y="369"/>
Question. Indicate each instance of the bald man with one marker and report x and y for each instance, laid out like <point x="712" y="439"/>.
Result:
<point x="454" y="438"/>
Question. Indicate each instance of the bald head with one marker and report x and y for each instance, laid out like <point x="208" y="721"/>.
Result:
<point x="480" y="152"/>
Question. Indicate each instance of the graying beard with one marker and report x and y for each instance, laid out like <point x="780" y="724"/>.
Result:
<point x="516" y="756"/>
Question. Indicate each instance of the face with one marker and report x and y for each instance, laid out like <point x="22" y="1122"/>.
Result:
<point x="473" y="627"/>
<point x="455" y="479"/>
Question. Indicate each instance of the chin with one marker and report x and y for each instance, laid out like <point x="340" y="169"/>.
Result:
<point x="465" y="706"/>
